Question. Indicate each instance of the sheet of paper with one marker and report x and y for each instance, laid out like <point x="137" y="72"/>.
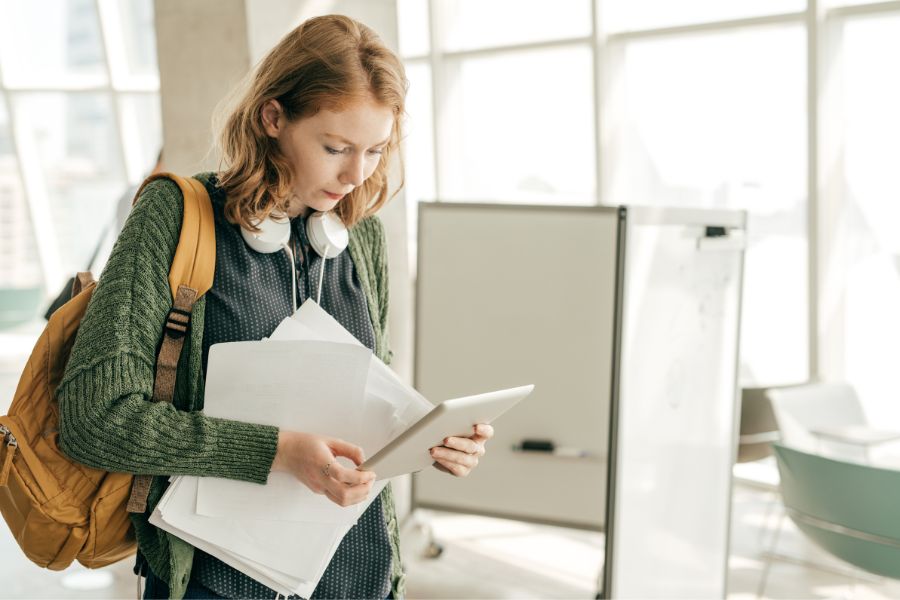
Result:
<point x="312" y="322"/>
<point x="278" y="581"/>
<point x="383" y="386"/>
<point x="293" y="548"/>
<point x="299" y="550"/>
<point x="261" y="382"/>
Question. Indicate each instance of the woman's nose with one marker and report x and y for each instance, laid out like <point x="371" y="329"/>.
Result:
<point x="354" y="172"/>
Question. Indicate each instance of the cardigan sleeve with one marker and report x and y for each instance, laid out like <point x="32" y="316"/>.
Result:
<point x="373" y="244"/>
<point x="107" y="419"/>
<point x="383" y="283"/>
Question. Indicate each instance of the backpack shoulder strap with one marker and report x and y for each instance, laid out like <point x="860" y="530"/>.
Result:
<point x="195" y="258"/>
<point x="190" y="276"/>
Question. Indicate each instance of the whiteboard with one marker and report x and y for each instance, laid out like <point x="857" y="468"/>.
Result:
<point x="626" y="321"/>
<point x="675" y="425"/>
<point x="512" y="295"/>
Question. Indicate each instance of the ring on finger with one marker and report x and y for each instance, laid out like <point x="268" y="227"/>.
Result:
<point x="326" y="470"/>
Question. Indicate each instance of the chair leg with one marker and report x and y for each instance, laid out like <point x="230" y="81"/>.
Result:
<point x="433" y="549"/>
<point x="774" y="506"/>
<point x="768" y="557"/>
<point x="770" y="547"/>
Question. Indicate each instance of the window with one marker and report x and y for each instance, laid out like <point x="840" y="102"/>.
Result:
<point x="730" y="133"/>
<point x="861" y="316"/>
<point x="508" y="113"/>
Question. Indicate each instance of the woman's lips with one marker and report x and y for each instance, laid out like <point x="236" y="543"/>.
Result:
<point x="333" y="196"/>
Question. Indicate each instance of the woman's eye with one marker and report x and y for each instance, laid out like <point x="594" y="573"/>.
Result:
<point x="336" y="151"/>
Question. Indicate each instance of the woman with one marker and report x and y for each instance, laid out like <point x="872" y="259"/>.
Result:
<point x="314" y="132"/>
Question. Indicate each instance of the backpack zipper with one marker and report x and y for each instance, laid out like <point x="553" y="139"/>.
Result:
<point x="11" y="445"/>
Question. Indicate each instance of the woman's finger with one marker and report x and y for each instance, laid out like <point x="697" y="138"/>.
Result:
<point x="342" y="474"/>
<point x="330" y="495"/>
<point x="452" y="468"/>
<point x="351" y="451"/>
<point x="437" y="465"/>
<point x="462" y="444"/>
<point x="347" y="496"/>
<point x="483" y="432"/>
<point x="449" y="456"/>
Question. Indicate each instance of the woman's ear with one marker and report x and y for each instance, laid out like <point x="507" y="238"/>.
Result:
<point x="272" y="118"/>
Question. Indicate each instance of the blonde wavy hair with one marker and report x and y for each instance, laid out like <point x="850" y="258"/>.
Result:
<point x="326" y="63"/>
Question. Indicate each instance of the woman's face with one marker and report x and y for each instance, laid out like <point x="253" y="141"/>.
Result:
<point x="331" y="153"/>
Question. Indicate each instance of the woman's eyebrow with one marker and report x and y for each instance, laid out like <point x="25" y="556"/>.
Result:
<point x="349" y="143"/>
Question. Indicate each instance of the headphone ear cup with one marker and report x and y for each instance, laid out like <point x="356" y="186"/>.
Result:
<point x="273" y="234"/>
<point x="327" y="234"/>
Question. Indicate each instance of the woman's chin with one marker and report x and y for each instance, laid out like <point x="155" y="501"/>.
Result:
<point x="322" y="205"/>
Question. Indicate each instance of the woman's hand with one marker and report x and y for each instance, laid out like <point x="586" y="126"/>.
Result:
<point x="459" y="455"/>
<point x="313" y="460"/>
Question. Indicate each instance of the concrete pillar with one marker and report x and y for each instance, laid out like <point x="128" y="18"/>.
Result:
<point x="203" y="53"/>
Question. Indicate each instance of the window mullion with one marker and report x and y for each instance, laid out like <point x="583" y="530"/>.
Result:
<point x="598" y="44"/>
<point x="37" y="198"/>
<point x="813" y="50"/>
<point x="438" y="103"/>
<point x="132" y="172"/>
<point x="710" y="27"/>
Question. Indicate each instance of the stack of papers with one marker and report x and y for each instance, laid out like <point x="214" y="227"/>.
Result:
<point x="310" y="375"/>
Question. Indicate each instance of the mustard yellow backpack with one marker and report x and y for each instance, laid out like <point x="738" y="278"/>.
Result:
<point x="57" y="509"/>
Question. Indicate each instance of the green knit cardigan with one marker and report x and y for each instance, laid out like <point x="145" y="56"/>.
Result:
<point x="107" y="417"/>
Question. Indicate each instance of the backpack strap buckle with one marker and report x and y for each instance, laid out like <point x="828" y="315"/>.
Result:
<point x="178" y="323"/>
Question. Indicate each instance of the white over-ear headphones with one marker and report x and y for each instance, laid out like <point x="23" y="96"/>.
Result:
<point x="274" y="232"/>
<point x="326" y="232"/>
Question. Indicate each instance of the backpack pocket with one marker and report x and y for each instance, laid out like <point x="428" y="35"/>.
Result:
<point x="45" y="540"/>
<point x="43" y="517"/>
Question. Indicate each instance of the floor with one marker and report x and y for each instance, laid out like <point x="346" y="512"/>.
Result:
<point x="495" y="558"/>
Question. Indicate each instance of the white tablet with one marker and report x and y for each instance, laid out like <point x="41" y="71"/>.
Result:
<point x="409" y="451"/>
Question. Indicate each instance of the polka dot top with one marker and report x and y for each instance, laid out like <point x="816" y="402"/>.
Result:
<point x="250" y="296"/>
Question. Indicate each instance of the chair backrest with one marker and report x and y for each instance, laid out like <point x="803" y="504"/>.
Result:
<point x="800" y="409"/>
<point x="758" y="427"/>
<point x="849" y="509"/>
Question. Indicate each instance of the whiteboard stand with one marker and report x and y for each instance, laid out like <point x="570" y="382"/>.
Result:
<point x="675" y="408"/>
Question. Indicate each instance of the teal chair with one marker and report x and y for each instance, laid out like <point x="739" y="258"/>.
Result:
<point x="852" y="510"/>
<point x="19" y="305"/>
